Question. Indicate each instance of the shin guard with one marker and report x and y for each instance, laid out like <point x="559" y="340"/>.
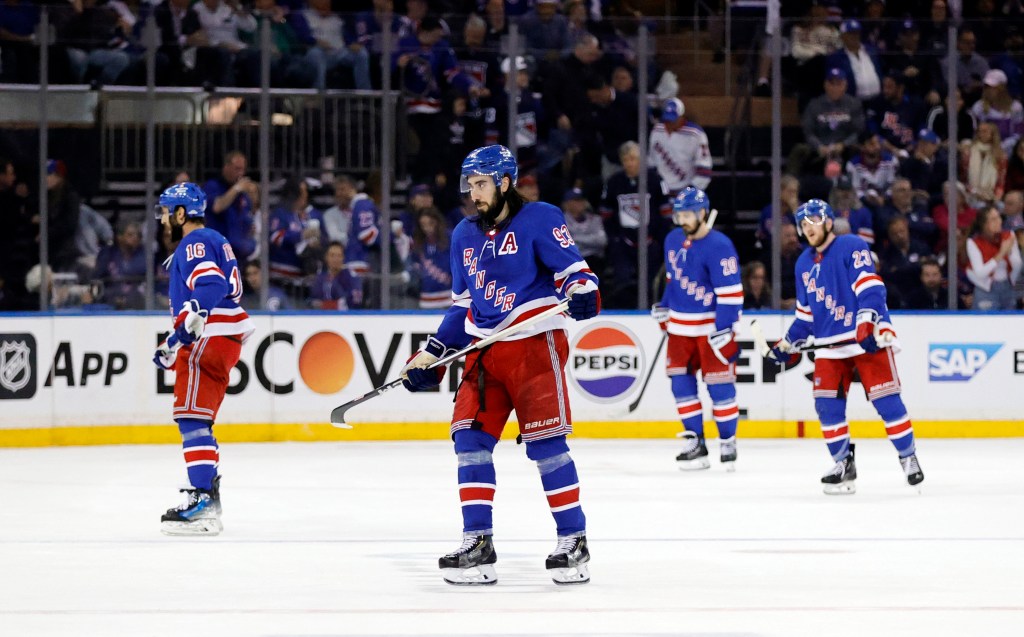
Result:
<point x="684" y="388"/>
<point x="897" y="423"/>
<point x="561" y="484"/>
<point x="202" y="454"/>
<point x="477" y="480"/>
<point x="834" y="428"/>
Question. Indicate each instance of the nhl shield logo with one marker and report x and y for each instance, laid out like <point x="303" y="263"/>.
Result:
<point x="17" y="366"/>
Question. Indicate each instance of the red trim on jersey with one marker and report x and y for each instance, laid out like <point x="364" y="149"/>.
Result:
<point x="202" y="454"/>
<point x="571" y="496"/>
<point x="704" y="321"/>
<point x="865" y="279"/>
<point x="828" y="434"/>
<point x="560" y="282"/>
<point x="476" y="493"/>
<point x="200" y="272"/>
<point x="898" y="428"/>
<point x="726" y="412"/>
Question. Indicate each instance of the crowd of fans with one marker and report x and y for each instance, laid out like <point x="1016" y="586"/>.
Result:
<point x="868" y="78"/>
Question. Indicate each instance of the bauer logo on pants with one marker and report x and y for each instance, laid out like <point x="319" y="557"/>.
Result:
<point x="606" y="362"/>
<point x="17" y="366"/>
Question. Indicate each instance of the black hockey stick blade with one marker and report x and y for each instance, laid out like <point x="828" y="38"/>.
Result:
<point x="650" y="372"/>
<point x="338" y="413"/>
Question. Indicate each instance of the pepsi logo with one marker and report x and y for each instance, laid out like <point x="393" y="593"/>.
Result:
<point x="607" y="362"/>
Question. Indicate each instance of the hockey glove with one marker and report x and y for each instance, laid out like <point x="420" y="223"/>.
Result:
<point x="416" y="376"/>
<point x="192" y="326"/>
<point x="867" y="329"/>
<point x="784" y="353"/>
<point x="584" y="301"/>
<point x="723" y="345"/>
<point x="167" y="352"/>
<point x="661" y="315"/>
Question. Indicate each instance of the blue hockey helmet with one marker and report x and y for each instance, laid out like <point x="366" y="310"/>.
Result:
<point x="691" y="199"/>
<point x="187" y="195"/>
<point x="814" y="211"/>
<point x="494" y="161"/>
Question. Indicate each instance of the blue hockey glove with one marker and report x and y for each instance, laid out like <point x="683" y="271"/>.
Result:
<point x="583" y="303"/>
<point x="785" y="352"/>
<point x="723" y="345"/>
<point x="661" y="315"/>
<point x="867" y="327"/>
<point x="416" y="376"/>
<point x="167" y="352"/>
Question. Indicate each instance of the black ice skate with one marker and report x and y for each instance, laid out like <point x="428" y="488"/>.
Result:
<point x="695" y="453"/>
<point x="727" y="448"/>
<point x="841" y="479"/>
<point x="567" y="564"/>
<point x="199" y="514"/>
<point x="913" y="471"/>
<point x="472" y="564"/>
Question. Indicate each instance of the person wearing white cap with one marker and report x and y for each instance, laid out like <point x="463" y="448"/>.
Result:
<point x="679" y="149"/>
<point x="998" y="107"/>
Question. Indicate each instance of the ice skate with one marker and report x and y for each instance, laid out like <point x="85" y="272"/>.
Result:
<point x="841" y="479"/>
<point x="913" y="471"/>
<point x="199" y="514"/>
<point x="472" y="564"/>
<point x="727" y="448"/>
<point x="567" y="564"/>
<point x="694" y="455"/>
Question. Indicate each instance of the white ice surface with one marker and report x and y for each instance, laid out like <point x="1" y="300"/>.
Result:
<point x="343" y="539"/>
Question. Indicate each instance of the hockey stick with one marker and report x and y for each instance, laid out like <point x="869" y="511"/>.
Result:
<point x="338" y="413"/>
<point x="761" y="343"/>
<point x="711" y="218"/>
<point x="650" y="372"/>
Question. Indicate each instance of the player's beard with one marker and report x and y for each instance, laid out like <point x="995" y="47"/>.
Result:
<point x="177" y="231"/>
<point x="696" y="229"/>
<point x="824" y="237"/>
<point x="494" y="207"/>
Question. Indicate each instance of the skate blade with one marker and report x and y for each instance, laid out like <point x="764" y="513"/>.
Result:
<point x="843" y="488"/>
<point x="579" y="574"/>
<point x="729" y="466"/>
<point x="483" y="575"/>
<point x="694" y="465"/>
<point x="210" y="526"/>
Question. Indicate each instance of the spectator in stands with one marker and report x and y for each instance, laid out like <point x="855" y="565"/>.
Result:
<point x="95" y="40"/>
<point x="938" y="119"/>
<point x="63" y="292"/>
<point x="94" y="233"/>
<point x="277" y="299"/>
<point x="971" y="67"/>
<point x="329" y="50"/>
<point x="924" y="168"/>
<point x="858" y="62"/>
<point x="427" y="66"/>
<point x="468" y="209"/>
<point x="497" y="21"/>
<point x="531" y="124"/>
<point x="964" y="216"/>
<point x="287" y="55"/>
<point x="528" y="187"/>
<point x="678" y="148"/>
<point x="875" y="26"/>
<point x="848" y="205"/>
<point x="1011" y="60"/>
<point x="917" y="68"/>
<point x="757" y="293"/>
<point x="586" y="229"/>
<point x="335" y="287"/>
<point x="18" y="20"/>
<point x="180" y="30"/>
<point x="63" y="209"/>
<point x="872" y="171"/>
<point x="565" y="96"/>
<point x="362" y="252"/>
<point x="895" y="116"/>
<point x="902" y="203"/>
<point x="297" y="234"/>
<point x="224" y="23"/>
<point x="430" y="260"/>
<point x="899" y="260"/>
<point x="983" y="166"/>
<point x="831" y="124"/>
<point x="998" y="107"/>
<point x="613" y="122"/>
<point x="121" y="269"/>
<point x="18" y="239"/>
<point x="338" y="218"/>
<point x="988" y="29"/>
<point x="790" y="252"/>
<point x="812" y="40"/>
<point x="620" y="209"/>
<point x="622" y="80"/>
<point x="789" y="200"/>
<point x="1013" y="211"/>
<point x="421" y="197"/>
<point x="545" y="31"/>
<point x="994" y="262"/>
<point x="1015" y="167"/>
<point x="479" y="60"/>
<point x="230" y="198"/>
<point x="463" y="131"/>
<point x="930" y="293"/>
<point x="368" y="29"/>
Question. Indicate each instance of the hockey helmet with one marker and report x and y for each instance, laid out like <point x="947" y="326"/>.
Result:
<point x="690" y="199"/>
<point x="815" y="212"/>
<point x="494" y="161"/>
<point x="187" y="195"/>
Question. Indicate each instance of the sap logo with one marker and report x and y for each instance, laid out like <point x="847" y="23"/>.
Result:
<point x="958" y="362"/>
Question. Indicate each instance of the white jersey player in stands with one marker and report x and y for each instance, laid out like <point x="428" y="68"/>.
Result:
<point x="840" y="302"/>
<point x="678" y="148"/>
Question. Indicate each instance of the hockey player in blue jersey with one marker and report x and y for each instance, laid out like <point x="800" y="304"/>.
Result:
<point x="209" y="326"/>
<point x="840" y="302"/>
<point x="513" y="260"/>
<point x="699" y="309"/>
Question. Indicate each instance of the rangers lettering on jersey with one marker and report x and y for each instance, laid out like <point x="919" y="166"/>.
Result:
<point x="703" y="291"/>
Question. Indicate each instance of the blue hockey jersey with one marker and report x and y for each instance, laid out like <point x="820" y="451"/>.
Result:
<point x="831" y="287"/>
<point x="363" y="235"/>
<point x="433" y="265"/>
<point x="506" y="275"/>
<point x="703" y="291"/>
<point x="203" y="267"/>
